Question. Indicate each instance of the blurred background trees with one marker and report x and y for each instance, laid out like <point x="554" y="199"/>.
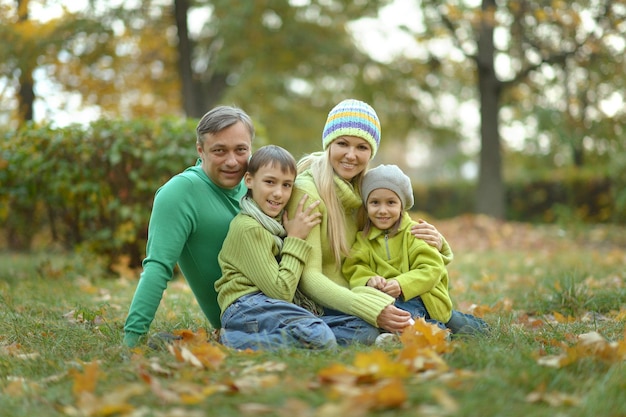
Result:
<point x="481" y="91"/>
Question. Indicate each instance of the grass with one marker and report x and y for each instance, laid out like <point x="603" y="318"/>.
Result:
<point x="539" y="288"/>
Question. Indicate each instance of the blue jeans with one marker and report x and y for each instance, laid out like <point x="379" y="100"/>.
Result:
<point x="256" y="321"/>
<point x="349" y="329"/>
<point x="459" y="323"/>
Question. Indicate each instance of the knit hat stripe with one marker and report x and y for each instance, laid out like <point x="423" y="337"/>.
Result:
<point x="351" y="126"/>
<point x="353" y="113"/>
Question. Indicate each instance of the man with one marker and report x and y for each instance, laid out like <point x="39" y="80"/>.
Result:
<point x="190" y="219"/>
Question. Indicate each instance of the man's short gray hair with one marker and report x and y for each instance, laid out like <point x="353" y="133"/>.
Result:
<point x="220" y="118"/>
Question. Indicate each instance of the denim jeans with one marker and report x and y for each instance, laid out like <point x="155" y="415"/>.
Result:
<point x="349" y="329"/>
<point x="459" y="323"/>
<point x="416" y="307"/>
<point x="256" y="321"/>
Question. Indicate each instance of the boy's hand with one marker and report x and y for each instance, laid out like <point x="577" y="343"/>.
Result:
<point x="303" y="221"/>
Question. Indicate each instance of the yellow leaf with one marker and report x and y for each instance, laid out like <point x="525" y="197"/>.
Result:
<point x="14" y="388"/>
<point x="378" y="364"/>
<point x="425" y="335"/>
<point x="560" y="318"/>
<point x="86" y="380"/>
<point x="389" y="394"/>
<point x="336" y="373"/>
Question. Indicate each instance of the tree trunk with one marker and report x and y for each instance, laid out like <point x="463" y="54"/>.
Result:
<point x="490" y="199"/>
<point x="185" y="48"/>
<point x="26" y="91"/>
<point x="26" y="96"/>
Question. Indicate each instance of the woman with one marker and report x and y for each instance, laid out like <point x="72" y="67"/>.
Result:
<point x="350" y="139"/>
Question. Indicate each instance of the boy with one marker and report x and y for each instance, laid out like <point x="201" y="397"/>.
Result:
<point x="262" y="260"/>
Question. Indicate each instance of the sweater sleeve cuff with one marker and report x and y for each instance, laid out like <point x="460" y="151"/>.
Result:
<point x="297" y="247"/>
<point x="370" y="303"/>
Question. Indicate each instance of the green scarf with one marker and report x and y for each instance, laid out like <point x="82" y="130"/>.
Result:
<point x="348" y="195"/>
<point x="249" y="207"/>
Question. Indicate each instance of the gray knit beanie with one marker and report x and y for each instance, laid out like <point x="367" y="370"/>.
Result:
<point x="390" y="177"/>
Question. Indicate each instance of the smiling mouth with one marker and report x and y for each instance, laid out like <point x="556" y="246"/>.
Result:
<point x="231" y="173"/>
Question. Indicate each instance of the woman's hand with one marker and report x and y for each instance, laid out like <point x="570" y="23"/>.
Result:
<point x="393" y="319"/>
<point x="303" y="221"/>
<point x="428" y="233"/>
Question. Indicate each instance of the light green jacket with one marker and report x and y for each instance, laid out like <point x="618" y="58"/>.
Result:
<point x="418" y="267"/>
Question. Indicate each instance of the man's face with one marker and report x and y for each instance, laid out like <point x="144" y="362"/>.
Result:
<point x="225" y="155"/>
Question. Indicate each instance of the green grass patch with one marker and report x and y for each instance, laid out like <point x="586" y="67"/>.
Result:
<point x="540" y="289"/>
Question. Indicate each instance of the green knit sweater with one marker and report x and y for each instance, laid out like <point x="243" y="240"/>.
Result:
<point x="248" y="262"/>
<point x="188" y="224"/>
<point x="418" y="267"/>
<point x="322" y="279"/>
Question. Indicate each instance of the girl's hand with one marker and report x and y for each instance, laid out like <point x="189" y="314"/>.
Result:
<point x="392" y="288"/>
<point x="304" y="220"/>
<point x="377" y="282"/>
<point x="428" y="233"/>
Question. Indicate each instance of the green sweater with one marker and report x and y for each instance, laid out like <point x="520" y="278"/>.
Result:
<point x="188" y="224"/>
<point x="418" y="267"/>
<point x="248" y="263"/>
<point x="322" y="279"/>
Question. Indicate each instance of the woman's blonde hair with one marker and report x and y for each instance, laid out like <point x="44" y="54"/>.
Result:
<point x="324" y="178"/>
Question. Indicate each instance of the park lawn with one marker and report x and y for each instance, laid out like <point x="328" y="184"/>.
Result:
<point x="555" y="298"/>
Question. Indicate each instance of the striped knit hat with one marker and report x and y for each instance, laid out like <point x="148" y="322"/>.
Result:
<point x="352" y="118"/>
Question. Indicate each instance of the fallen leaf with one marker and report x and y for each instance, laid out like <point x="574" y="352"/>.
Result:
<point x="86" y="380"/>
<point x="554" y="398"/>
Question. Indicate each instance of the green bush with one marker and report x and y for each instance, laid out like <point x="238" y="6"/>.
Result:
<point x="91" y="187"/>
<point x="564" y="197"/>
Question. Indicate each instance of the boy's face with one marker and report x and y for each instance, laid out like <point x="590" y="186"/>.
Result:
<point x="383" y="208"/>
<point x="271" y="188"/>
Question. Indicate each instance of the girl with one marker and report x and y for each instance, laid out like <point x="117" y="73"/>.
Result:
<point x="262" y="259"/>
<point x="387" y="257"/>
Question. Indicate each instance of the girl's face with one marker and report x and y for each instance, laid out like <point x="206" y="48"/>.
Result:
<point x="349" y="156"/>
<point x="383" y="208"/>
<point x="270" y="187"/>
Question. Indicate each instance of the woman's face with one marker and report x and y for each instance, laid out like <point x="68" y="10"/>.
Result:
<point x="349" y="156"/>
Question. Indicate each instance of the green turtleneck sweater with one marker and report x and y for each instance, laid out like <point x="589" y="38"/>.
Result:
<point x="188" y="225"/>
<point x="322" y="279"/>
<point x="418" y="267"/>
